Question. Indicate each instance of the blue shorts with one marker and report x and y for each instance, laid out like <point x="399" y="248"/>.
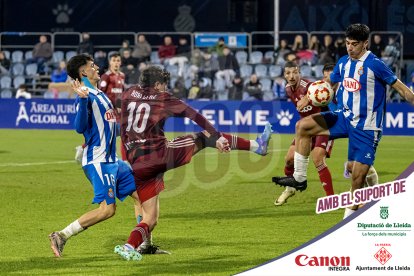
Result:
<point x="362" y="144"/>
<point x="110" y="180"/>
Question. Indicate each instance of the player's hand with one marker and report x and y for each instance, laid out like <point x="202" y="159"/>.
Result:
<point x="302" y="103"/>
<point x="222" y="144"/>
<point x="82" y="91"/>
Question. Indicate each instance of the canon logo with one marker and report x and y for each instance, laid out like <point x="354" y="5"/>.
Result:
<point x="304" y="260"/>
<point x="351" y="85"/>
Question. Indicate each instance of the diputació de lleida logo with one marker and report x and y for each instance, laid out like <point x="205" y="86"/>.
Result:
<point x="384" y="212"/>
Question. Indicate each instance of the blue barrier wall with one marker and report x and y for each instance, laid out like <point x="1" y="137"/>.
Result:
<point x="228" y="116"/>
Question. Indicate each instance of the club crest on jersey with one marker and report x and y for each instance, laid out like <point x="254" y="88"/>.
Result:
<point x="351" y="85"/>
<point x="361" y="71"/>
<point x="110" y="116"/>
<point x="111" y="193"/>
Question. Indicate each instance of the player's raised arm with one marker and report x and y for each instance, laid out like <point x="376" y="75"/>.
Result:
<point x="81" y="119"/>
<point x="404" y="91"/>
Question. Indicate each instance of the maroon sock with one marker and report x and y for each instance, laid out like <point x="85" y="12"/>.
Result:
<point x="289" y="170"/>
<point x="237" y="142"/>
<point x="138" y="235"/>
<point x="326" y="179"/>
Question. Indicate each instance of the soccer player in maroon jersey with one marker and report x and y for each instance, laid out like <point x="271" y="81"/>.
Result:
<point x="112" y="84"/>
<point x="145" y="108"/>
<point x="296" y="89"/>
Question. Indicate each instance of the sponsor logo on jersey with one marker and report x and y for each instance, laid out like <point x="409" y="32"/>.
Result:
<point x="116" y="90"/>
<point x="110" y="115"/>
<point x="351" y="85"/>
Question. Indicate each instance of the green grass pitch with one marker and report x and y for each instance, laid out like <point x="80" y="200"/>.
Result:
<point x="217" y="213"/>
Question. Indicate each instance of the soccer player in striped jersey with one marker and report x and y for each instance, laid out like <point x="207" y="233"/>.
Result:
<point x="372" y="176"/>
<point x="145" y="108"/>
<point x="110" y="177"/>
<point x="361" y="95"/>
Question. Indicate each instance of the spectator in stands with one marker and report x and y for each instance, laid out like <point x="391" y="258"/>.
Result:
<point x="206" y="91"/>
<point x="410" y="84"/>
<point x="278" y="88"/>
<point x="132" y="73"/>
<point x="101" y="61"/>
<point x="127" y="59"/>
<point x="182" y="55"/>
<point x="142" y="49"/>
<point x="22" y="92"/>
<point x="166" y="51"/>
<point x="298" y="43"/>
<point x="125" y="46"/>
<point x="281" y="52"/>
<point x="328" y="54"/>
<point x="4" y="63"/>
<point x="218" y="47"/>
<point x="254" y="89"/>
<point x="209" y="66"/>
<point x="42" y="52"/>
<point x="60" y="74"/>
<point x="391" y="51"/>
<point x="179" y="90"/>
<point x="377" y="47"/>
<point x="194" y="90"/>
<point x="340" y="47"/>
<point x="228" y="67"/>
<point x="316" y="47"/>
<point x="236" y="91"/>
<point x="196" y="61"/>
<point x="86" y="45"/>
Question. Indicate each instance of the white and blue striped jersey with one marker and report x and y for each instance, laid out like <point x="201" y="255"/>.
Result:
<point x="95" y="119"/>
<point x="362" y="91"/>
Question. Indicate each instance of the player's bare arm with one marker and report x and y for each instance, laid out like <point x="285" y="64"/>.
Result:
<point x="404" y="91"/>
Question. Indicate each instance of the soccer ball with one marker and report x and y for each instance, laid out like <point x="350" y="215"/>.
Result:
<point x="320" y="93"/>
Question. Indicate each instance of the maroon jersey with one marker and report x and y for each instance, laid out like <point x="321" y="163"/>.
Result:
<point x="300" y="92"/>
<point x="143" y="115"/>
<point x="112" y="85"/>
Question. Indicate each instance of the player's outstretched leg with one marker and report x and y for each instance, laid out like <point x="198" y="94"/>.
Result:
<point x="57" y="243"/>
<point x="258" y="146"/>
<point x="282" y="199"/>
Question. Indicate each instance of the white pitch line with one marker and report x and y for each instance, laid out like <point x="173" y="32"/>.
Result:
<point x="35" y="164"/>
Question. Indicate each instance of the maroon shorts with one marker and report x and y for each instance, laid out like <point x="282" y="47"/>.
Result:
<point x="149" y="168"/>
<point x="321" y="141"/>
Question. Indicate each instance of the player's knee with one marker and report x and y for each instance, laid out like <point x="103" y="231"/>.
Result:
<point x="358" y="179"/>
<point x="301" y="128"/>
<point x="108" y="211"/>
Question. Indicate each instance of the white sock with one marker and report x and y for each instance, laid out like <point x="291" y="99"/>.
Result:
<point x="147" y="242"/>
<point x="301" y="167"/>
<point x="348" y="212"/>
<point x="253" y="145"/>
<point x="72" y="229"/>
<point x="372" y="177"/>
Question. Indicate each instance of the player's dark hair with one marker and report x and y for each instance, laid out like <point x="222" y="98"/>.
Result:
<point x="358" y="32"/>
<point x="153" y="74"/>
<point x="75" y="63"/>
<point x="114" y="55"/>
<point x="290" y="64"/>
<point x="328" y="67"/>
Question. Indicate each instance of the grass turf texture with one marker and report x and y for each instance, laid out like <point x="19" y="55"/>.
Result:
<point x="217" y="213"/>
